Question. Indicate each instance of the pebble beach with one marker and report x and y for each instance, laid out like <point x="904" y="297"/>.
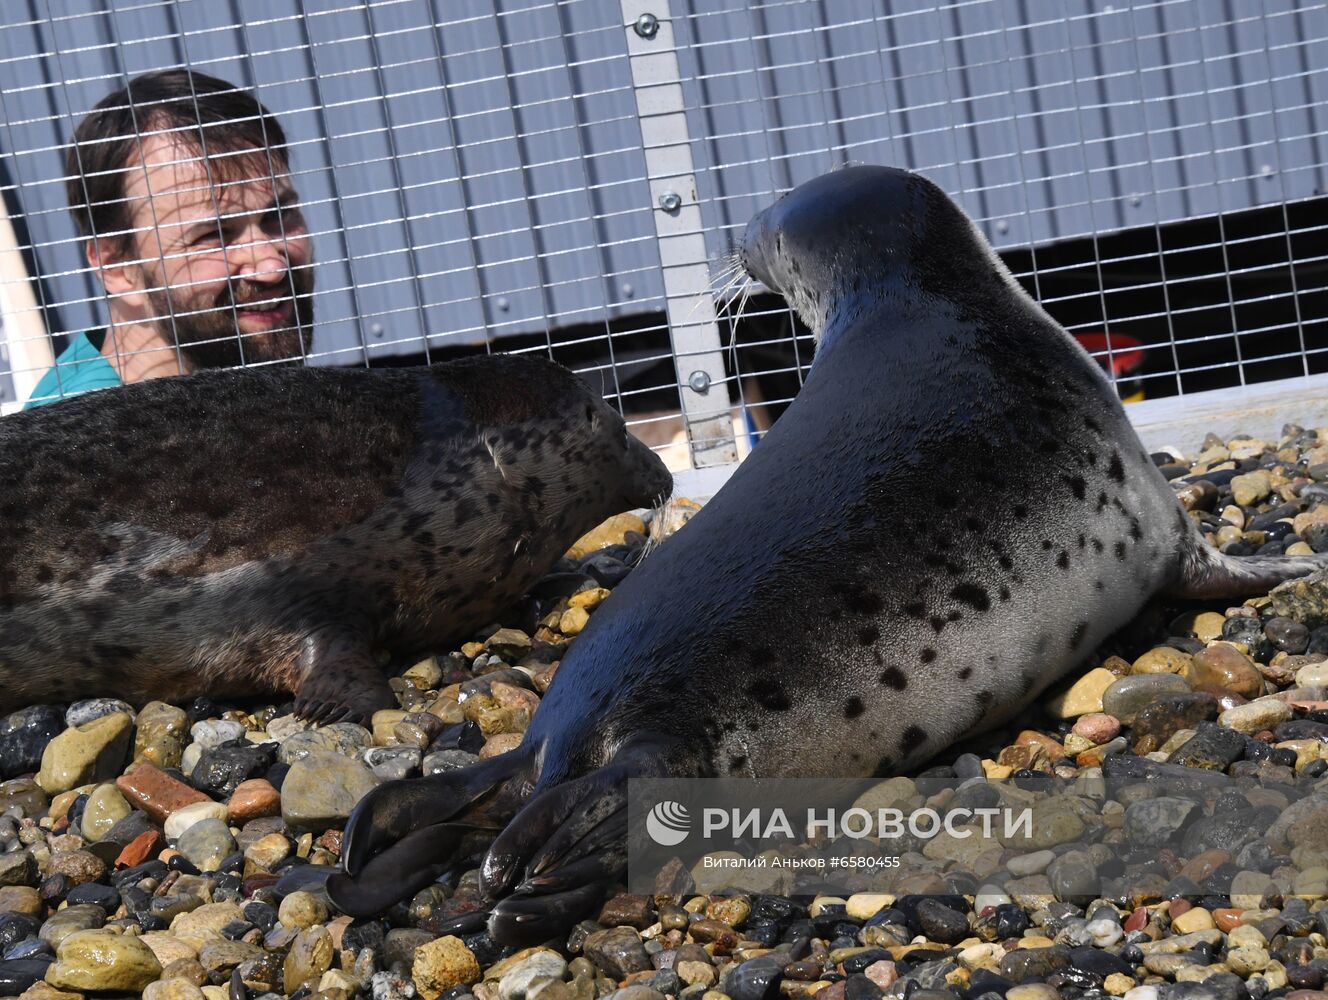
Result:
<point x="1178" y="782"/>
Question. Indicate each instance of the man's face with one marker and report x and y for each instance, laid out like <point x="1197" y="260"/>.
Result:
<point x="220" y="254"/>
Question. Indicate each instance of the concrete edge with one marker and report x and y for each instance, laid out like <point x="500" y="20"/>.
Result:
<point x="1175" y="422"/>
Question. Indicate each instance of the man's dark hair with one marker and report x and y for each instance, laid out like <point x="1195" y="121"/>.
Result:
<point x="210" y="114"/>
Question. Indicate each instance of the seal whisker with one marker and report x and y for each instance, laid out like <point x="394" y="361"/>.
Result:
<point x="727" y="294"/>
<point x="720" y="277"/>
<point x="653" y="540"/>
<point x="742" y="295"/>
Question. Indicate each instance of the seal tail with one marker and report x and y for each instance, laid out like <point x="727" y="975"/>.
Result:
<point x="1207" y="573"/>
<point x="403" y="835"/>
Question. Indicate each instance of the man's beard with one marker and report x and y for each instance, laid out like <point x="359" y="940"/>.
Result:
<point x="211" y="338"/>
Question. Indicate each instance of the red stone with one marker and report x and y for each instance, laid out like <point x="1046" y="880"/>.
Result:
<point x="252" y="799"/>
<point x="882" y="973"/>
<point x="1226" y="919"/>
<point x="1136" y="920"/>
<point x="140" y="849"/>
<point x="156" y="792"/>
<point x="1199" y="867"/>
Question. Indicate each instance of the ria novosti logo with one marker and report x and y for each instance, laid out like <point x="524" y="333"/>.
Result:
<point x="668" y="823"/>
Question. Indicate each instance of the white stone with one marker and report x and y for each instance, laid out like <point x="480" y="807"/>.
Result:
<point x="212" y="733"/>
<point x="185" y="817"/>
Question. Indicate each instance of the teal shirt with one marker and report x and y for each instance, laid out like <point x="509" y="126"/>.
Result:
<point x="79" y="368"/>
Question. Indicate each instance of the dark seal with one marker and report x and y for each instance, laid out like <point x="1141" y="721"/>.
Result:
<point x="231" y="533"/>
<point x="950" y="516"/>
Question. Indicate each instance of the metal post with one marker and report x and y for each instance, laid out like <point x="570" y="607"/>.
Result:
<point x="697" y="347"/>
<point x="21" y="324"/>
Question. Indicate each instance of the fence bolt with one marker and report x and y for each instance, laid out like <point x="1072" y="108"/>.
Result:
<point x="670" y="201"/>
<point x="699" y="382"/>
<point x="647" y="26"/>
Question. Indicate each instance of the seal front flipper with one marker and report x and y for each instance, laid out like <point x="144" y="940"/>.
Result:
<point x="339" y="680"/>
<point x="556" y="859"/>
<point x="1207" y="573"/>
<point x="559" y="827"/>
<point x="565" y="882"/>
<point x="403" y="835"/>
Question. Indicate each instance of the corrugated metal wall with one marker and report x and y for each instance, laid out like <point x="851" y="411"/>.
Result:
<point x="1048" y="118"/>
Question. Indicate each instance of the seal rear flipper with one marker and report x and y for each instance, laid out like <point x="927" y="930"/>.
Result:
<point x="1207" y="573"/>
<point x="340" y="680"/>
<point x="403" y="835"/>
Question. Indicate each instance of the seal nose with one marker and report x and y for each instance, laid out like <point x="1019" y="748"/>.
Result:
<point x="652" y="482"/>
<point x="751" y="252"/>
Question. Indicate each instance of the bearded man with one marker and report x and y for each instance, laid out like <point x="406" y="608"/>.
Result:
<point x="180" y="187"/>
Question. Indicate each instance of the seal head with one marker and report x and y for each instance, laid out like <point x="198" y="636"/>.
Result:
<point x="849" y="241"/>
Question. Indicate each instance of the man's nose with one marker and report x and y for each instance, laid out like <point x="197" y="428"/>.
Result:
<point x="259" y="257"/>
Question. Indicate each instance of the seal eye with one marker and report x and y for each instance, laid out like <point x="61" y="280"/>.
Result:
<point x="592" y="416"/>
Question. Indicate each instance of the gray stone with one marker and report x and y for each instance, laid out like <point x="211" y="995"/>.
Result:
<point x="448" y="760"/>
<point x="62" y="923"/>
<point x="81" y="712"/>
<point x="1304" y="600"/>
<point x="516" y="980"/>
<point x="930" y="976"/>
<point x="321" y="789"/>
<point x="1311" y="810"/>
<point x="386" y="986"/>
<point x="206" y="844"/>
<point x="1074" y="876"/>
<point x="1154" y="822"/>
<point x="617" y="951"/>
<point x="755" y="979"/>
<point x="1030" y="864"/>
<point x="342" y="738"/>
<point x="18" y="868"/>
<point x="400" y="944"/>
<point x="1127" y="696"/>
<point x="1212" y="747"/>
<point x="393" y="763"/>
<point x="1023" y="964"/>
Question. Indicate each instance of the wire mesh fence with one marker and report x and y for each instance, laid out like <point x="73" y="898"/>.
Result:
<point x="559" y="176"/>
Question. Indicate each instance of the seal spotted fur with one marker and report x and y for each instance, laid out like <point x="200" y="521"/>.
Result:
<point x="842" y="582"/>
<point x="229" y="533"/>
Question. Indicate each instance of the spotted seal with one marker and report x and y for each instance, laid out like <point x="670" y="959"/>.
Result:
<point x="229" y="533"/>
<point x="951" y="515"/>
